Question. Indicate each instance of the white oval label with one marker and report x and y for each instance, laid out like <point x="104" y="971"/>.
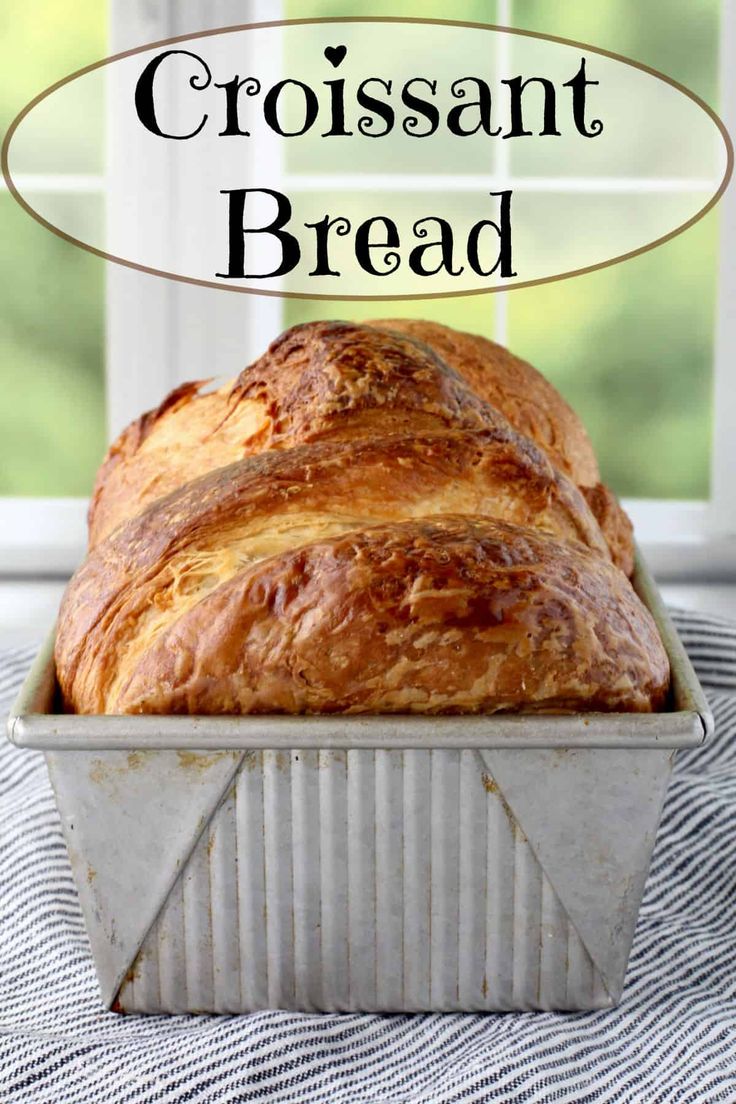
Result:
<point x="375" y="158"/>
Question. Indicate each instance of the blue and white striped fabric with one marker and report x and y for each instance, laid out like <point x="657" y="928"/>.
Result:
<point x="672" y="1039"/>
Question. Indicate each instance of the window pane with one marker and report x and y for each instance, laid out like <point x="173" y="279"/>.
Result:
<point x="44" y="41"/>
<point x="681" y="40"/>
<point x="631" y="348"/>
<point x="52" y="416"/>
<point x="473" y="11"/>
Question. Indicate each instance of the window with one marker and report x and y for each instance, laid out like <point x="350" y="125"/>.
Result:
<point x="636" y="348"/>
<point x="52" y="411"/>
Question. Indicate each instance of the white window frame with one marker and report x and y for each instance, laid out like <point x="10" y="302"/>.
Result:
<point x="171" y="338"/>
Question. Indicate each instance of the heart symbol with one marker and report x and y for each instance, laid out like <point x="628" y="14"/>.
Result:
<point x="335" y="54"/>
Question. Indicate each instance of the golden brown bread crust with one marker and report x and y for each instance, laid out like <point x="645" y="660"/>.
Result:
<point x="318" y="381"/>
<point x="451" y="614"/>
<point x="521" y="393"/>
<point x="167" y="558"/>
<point x="536" y="409"/>
<point x="615" y="525"/>
<point x="350" y="528"/>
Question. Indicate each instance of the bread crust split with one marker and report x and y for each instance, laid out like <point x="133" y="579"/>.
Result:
<point x="441" y="615"/>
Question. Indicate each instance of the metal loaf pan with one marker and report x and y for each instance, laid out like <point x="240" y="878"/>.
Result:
<point x="377" y="863"/>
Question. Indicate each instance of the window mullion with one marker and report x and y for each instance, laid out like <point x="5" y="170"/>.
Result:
<point x="723" y="482"/>
<point x="160" y="332"/>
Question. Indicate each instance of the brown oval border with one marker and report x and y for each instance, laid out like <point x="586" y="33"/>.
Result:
<point x="715" y="118"/>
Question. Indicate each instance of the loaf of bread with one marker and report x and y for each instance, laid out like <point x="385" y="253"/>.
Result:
<point x="351" y="527"/>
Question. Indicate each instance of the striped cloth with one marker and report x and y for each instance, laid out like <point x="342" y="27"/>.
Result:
<point x="672" y="1039"/>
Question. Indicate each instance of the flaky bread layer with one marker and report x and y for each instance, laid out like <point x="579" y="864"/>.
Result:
<point x="442" y="615"/>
